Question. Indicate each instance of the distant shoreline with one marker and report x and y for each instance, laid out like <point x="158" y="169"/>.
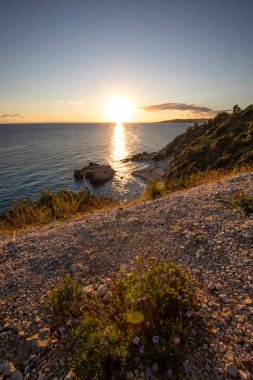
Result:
<point x="177" y="121"/>
<point x="183" y="121"/>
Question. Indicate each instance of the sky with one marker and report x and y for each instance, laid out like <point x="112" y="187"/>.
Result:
<point x="62" y="60"/>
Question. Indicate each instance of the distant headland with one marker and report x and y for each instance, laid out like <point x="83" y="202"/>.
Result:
<point x="203" y="120"/>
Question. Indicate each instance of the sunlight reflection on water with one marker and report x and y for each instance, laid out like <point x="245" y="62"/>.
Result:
<point x="119" y="151"/>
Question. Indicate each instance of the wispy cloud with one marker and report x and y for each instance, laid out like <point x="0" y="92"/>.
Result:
<point x="11" y="115"/>
<point x="73" y="102"/>
<point x="176" y="107"/>
<point x="57" y="101"/>
<point x="81" y="103"/>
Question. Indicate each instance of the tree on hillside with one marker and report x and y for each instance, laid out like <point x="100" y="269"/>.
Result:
<point x="236" y="109"/>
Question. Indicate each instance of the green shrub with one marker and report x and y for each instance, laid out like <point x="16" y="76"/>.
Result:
<point x="153" y="190"/>
<point x="219" y="143"/>
<point x="25" y="212"/>
<point x="244" y="201"/>
<point x="148" y="319"/>
<point x="177" y="183"/>
<point x="49" y="207"/>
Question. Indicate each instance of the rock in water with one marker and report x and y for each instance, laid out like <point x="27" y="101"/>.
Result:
<point x="97" y="174"/>
<point x="78" y="174"/>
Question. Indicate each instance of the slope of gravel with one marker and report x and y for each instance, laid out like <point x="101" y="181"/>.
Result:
<point x="198" y="228"/>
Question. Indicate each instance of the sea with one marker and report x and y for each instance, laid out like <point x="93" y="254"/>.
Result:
<point x="34" y="157"/>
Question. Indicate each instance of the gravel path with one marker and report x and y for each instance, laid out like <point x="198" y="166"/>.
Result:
<point x="210" y="238"/>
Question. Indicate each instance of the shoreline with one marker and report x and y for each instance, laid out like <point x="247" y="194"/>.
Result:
<point x="156" y="170"/>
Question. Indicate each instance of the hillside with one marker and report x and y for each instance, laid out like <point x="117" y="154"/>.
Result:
<point x="199" y="228"/>
<point x="222" y="142"/>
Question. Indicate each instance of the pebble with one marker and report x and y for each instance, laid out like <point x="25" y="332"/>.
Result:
<point x="102" y="290"/>
<point x="17" y="376"/>
<point x="231" y="369"/>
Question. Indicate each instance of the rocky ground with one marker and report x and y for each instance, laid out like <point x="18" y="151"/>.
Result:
<point x="198" y="228"/>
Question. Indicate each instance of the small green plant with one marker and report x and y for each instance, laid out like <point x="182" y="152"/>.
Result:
<point x="153" y="190"/>
<point x="244" y="201"/>
<point x="146" y="324"/>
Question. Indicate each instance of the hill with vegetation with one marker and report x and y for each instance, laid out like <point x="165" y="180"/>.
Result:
<point x="226" y="141"/>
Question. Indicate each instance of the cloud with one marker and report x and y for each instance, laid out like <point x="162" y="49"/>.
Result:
<point x="10" y="115"/>
<point x="73" y="102"/>
<point x="58" y="101"/>
<point x="176" y="107"/>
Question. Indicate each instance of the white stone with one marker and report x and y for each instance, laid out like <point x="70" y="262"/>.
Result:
<point x="102" y="290"/>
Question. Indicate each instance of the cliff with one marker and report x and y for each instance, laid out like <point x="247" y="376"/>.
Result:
<point x="222" y="142"/>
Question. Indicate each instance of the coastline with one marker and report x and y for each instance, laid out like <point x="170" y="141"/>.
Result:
<point x="156" y="170"/>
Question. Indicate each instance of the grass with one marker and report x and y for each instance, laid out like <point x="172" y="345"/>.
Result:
<point x="153" y="190"/>
<point x="186" y="182"/>
<point x="51" y="207"/>
<point x="146" y="325"/>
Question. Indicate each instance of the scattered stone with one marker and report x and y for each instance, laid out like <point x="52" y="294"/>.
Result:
<point x="231" y="369"/>
<point x="130" y="375"/>
<point x="88" y="289"/>
<point x="107" y="298"/>
<point x="9" y="368"/>
<point x="243" y="375"/>
<point x="230" y="356"/>
<point x="17" y="376"/>
<point x="32" y="345"/>
<point x="102" y="290"/>
<point x="70" y="376"/>
<point x="77" y="267"/>
<point x="248" y="301"/>
<point x="41" y="377"/>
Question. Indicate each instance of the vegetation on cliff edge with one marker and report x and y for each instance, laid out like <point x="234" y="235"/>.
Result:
<point x="50" y="207"/>
<point x="224" y="142"/>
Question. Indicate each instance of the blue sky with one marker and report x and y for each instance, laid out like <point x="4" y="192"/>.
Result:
<point x="61" y="60"/>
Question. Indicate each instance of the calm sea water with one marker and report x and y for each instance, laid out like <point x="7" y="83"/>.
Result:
<point x="38" y="156"/>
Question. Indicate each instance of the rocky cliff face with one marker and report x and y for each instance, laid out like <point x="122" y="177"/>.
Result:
<point x="222" y="142"/>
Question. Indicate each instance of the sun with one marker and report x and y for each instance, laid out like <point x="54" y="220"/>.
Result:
<point x="119" y="109"/>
